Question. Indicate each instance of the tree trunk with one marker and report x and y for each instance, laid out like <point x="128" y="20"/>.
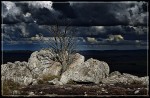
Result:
<point x="64" y="62"/>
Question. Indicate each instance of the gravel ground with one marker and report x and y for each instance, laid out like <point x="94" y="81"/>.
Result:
<point x="85" y="90"/>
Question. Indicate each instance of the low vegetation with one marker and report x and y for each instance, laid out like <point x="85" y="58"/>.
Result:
<point x="72" y="82"/>
<point x="8" y="86"/>
<point x="47" y="78"/>
<point x="87" y="89"/>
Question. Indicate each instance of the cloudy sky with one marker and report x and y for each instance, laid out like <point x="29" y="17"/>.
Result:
<point x="98" y="25"/>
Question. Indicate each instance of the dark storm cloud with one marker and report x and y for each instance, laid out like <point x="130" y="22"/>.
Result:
<point x="23" y="30"/>
<point x="110" y="13"/>
<point x="80" y="14"/>
<point x="95" y="23"/>
<point x="66" y="10"/>
<point x="28" y="12"/>
<point x="96" y="14"/>
<point x="43" y="16"/>
<point x="9" y="13"/>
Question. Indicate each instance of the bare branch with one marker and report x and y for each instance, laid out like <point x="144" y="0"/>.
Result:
<point x="63" y="43"/>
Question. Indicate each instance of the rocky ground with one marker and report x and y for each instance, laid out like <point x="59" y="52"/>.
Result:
<point x="84" y="90"/>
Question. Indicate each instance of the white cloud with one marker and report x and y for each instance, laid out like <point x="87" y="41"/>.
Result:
<point x="23" y="32"/>
<point x="99" y="27"/>
<point x="10" y="8"/>
<point x="115" y="38"/>
<point x="36" y="38"/>
<point x="91" y="40"/>
<point x="137" y="41"/>
<point x="27" y="14"/>
<point x="41" y="4"/>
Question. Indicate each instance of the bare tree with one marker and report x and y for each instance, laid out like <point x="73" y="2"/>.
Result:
<point x="63" y="44"/>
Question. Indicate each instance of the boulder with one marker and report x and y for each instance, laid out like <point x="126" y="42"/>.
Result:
<point x="114" y="79"/>
<point x="115" y="73"/>
<point x="77" y="60"/>
<point x="90" y="71"/>
<point x="125" y="78"/>
<point x="145" y="80"/>
<point x="42" y="63"/>
<point x="18" y="72"/>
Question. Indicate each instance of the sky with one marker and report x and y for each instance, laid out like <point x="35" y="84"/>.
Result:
<point x="97" y="25"/>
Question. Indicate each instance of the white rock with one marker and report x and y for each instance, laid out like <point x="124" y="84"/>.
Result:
<point x="34" y="82"/>
<point x="16" y="92"/>
<point x="137" y="91"/>
<point x="18" y="72"/>
<point x="111" y="84"/>
<point x="77" y="60"/>
<point x="90" y="71"/>
<point x="145" y="80"/>
<point x="115" y="73"/>
<point x="106" y="92"/>
<point x="31" y="93"/>
<point x="103" y="89"/>
<point x="55" y="82"/>
<point x="85" y="94"/>
<point x="125" y="78"/>
<point x="41" y="63"/>
<point x="128" y="88"/>
<point x="41" y="92"/>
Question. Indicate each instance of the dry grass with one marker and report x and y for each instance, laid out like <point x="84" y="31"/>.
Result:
<point x="47" y="78"/>
<point x="8" y="86"/>
<point x="71" y="82"/>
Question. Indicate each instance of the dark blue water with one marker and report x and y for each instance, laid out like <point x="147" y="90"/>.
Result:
<point x="125" y="61"/>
